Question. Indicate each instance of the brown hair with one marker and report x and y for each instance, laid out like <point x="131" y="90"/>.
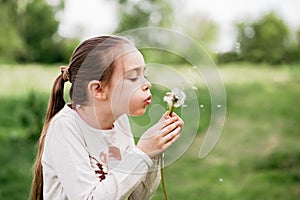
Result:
<point x="93" y="59"/>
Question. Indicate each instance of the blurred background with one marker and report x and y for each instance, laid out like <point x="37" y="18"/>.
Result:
<point x="256" y="46"/>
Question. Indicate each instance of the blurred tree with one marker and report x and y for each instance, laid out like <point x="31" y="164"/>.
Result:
<point x="265" y="40"/>
<point x="203" y="29"/>
<point x="38" y="26"/>
<point x="28" y="32"/>
<point x="292" y="54"/>
<point x="298" y="38"/>
<point x="11" y="43"/>
<point x="147" y="13"/>
<point x="144" y="13"/>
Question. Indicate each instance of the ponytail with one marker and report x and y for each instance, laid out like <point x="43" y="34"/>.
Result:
<point x="56" y="103"/>
<point x="97" y="56"/>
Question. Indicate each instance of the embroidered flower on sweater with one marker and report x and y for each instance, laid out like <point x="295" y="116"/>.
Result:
<point x="100" y="170"/>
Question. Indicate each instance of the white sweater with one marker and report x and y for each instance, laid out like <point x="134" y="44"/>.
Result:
<point x="81" y="162"/>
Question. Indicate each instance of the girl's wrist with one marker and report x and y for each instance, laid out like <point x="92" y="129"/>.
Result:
<point x="155" y="158"/>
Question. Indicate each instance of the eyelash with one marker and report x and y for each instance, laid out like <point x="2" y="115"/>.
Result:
<point x="134" y="79"/>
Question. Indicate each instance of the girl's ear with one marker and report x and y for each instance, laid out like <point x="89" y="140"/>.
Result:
<point x="96" y="89"/>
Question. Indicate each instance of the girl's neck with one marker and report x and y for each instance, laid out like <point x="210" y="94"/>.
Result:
<point x="103" y="121"/>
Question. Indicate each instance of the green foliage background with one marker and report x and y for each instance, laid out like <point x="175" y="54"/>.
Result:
<point x="28" y="33"/>
<point x="266" y="40"/>
<point x="258" y="148"/>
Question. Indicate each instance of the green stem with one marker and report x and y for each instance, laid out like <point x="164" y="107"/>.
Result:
<point x="163" y="178"/>
<point x="171" y="110"/>
<point x="162" y="166"/>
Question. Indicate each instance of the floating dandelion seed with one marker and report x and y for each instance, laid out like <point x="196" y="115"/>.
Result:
<point x="194" y="87"/>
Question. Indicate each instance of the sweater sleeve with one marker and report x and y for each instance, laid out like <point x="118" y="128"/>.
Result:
<point x="149" y="184"/>
<point x="67" y="155"/>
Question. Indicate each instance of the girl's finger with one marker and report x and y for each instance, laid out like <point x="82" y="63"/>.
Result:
<point x="169" y="128"/>
<point x="170" y="142"/>
<point x="180" y="122"/>
<point x="169" y="137"/>
<point x="175" y="115"/>
<point x="168" y="121"/>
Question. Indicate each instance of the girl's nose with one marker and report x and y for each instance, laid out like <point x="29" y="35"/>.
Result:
<point x="146" y="86"/>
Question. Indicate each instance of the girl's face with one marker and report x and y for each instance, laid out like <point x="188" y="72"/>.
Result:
<point x="129" y="88"/>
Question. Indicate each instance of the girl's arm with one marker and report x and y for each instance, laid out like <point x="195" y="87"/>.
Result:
<point x="149" y="184"/>
<point x="66" y="157"/>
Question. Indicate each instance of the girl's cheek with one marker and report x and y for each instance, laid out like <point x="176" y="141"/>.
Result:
<point x="129" y="93"/>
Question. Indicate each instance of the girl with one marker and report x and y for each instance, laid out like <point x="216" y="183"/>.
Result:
<point x="86" y="149"/>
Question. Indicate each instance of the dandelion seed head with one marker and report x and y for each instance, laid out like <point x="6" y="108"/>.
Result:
<point x="175" y="98"/>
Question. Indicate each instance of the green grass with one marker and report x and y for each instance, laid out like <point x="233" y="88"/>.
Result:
<point x="256" y="157"/>
<point x="18" y="80"/>
<point x="16" y="164"/>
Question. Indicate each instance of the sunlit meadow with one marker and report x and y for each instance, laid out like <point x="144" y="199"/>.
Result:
<point x="256" y="157"/>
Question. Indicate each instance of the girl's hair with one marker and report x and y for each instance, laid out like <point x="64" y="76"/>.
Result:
<point x="93" y="59"/>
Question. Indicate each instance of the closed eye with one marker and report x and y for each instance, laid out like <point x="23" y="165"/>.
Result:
<point x="133" y="79"/>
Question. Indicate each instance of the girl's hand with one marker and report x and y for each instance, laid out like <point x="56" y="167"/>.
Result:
<point x="161" y="136"/>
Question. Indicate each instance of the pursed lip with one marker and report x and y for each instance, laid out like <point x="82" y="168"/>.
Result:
<point x="148" y="100"/>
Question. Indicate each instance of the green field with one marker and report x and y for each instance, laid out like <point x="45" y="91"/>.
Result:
<point x="257" y="156"/>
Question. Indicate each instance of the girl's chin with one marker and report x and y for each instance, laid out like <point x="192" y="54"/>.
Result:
<point x="137" y="113"/>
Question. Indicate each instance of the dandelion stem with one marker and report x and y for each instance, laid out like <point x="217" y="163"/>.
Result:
<point x="172" y="107"/>
<point x="171" y="110"/>
<point x="163" y="178"/>
<point x="175" y="98"/>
